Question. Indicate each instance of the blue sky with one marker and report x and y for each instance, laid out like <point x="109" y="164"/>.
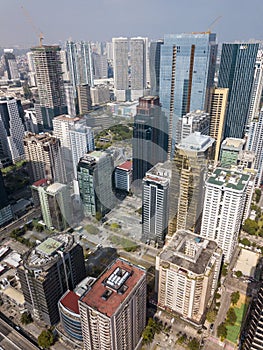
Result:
<point x="101" y="20"/>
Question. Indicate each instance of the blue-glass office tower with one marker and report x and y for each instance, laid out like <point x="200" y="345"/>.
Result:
<point x="186" y="74"/>
<point x="236" y="73"/>
<point x="155" y="59"/>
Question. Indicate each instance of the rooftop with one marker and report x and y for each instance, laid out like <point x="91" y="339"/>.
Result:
<point x="196" y="142"/>
<point x="233" y="144"/>
<point x="125" y="166"/>
<point x="49" y="246"/>
<point x="113" y="287"/>
<point x="40" y="183"/>
<point x="67" y="118"/>
<point x="55" y="187"/>
<point x="229" y="178"/>
<point x="189" y="252"/>
<point x="70" y="301"/>
<point x="161" y="173"/>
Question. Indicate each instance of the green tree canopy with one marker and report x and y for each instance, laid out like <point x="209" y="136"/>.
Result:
<point x="245" y="242"/>
<point x="235" y="295"/>
<point x="231" y="316"/>
<point x="211" y="316"/>
<point x="45" y="339"/>
<point x="239" y="274"/>
<point x="222" y="331"/>
<point x="194" y="344"/>
<point x="26" y="318"/>
<point x="250" y="226"/>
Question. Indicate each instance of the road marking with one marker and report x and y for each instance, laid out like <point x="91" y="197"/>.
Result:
<point x="5" y="338"/>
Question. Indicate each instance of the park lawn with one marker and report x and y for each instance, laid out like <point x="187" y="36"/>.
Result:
<point x="234" y="331"/>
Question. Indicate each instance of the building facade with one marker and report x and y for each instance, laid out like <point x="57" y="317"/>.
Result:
<point x="123" y="176"/>
<point x="230" y="150"/>
<point x="120" y="68"/>
<point x="154" y="62"/>
<point x="6" y="214"/>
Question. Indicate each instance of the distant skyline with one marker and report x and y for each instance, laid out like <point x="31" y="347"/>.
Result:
<point x="100" y="20"/>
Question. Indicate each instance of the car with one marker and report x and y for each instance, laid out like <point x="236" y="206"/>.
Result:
<point x="211" y="326"/>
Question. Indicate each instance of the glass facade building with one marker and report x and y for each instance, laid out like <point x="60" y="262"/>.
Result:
<point x="237" y="74"/>
<point x="186" y="74"/>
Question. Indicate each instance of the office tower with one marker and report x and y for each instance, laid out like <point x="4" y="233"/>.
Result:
<point x="11" y="129"/>
<point x="149" y="143"/>
<point x="6" y="214"/>
<point x="73" y="63"/>
<point x="95" y="183"/>
<point x="224" y="203"/>
<point x="55" y="205"/>
<point x="123" y="176"/>
<point x="252" y="330"/>
<point x="187" y="270"/>
<point x="82" y="141"/>
<point x="189" y="171"/>
<point x="47" y="271"/>
<point x="155" y="203"/>
<point x="44" y="155"/>
<point x="109" y="51"/>
<point x="186" y="75"/>
<point x="230" y="150"/>
<point x="62" y="125"/>
<point x="255" y="144"/>
<point x="236" y="73"/>
<point x="70" y="99"/>
<point x="154" y="62"/>
<point x="84" y="99"/>
<point x="100" y="94"/>
<point x="49" y="83"/>
<point x="138" y="52"/>
<point x="217" y="110"/>
<point x="100" y="65"/>
<point x="256" y="93"/>
<point x="113" y="311"/>
<point x="120" y="68"/>
<point x="31" y="122"/>
<point x="191" y="122"/>
<point x="64" y="62"/>
<point x="11" y="64"/>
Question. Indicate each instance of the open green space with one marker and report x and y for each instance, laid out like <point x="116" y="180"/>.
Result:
<point x="93" y="230"/>
<point x="125" y="243"/>
<point x="233" y="331"/>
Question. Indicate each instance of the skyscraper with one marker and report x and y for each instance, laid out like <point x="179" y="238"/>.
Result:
<point x="138" y="57"/>
<point x="11" y="65"/>
<point x="154" y="62"/>
<point x="47" y="271"/>
<point x="186" y="74"/>
<point x="149" y="136"/>
<point x="70" y="99"/>
<point x="236" y="73"/>
<point x="84" y="99"/>
<point x="187" y="274"/>
<point x="155" y="203"/>
<point x="44" y="156"/>
<point x="95" y="183"/>
<point x="120" y="67"/>
<point x="113" y="311"/>
<point x="6" y="214"/>
<point x="11" y="129"/>
<point x="189" y="170"/>
<point x="230" y="150"/>
<point x="224" y="204"/>
<point x="217" y="110"/>
<point x="49" y="83"/>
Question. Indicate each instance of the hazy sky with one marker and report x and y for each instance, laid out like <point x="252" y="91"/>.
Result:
<point x="101" y="20"/>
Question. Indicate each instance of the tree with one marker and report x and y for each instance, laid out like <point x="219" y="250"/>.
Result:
<point x="194" y="344"/>
<point x="235" y="295"/>
<point x="222" y="331"/>
<point x="231" y="316"/>
<point x="245" y="242"/>
<point x="250" y="226"/>
<point x="26" y="318"/>
<point x="98" y="216"/>
<point x="224" y="270"/>
<point x="45" y="339"/>
<point x="211" y="316"/>
<point x="239" y="274"/>
<point x="257" y="195"/>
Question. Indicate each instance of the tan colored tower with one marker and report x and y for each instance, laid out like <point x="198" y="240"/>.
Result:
<point x="217" y="111"/>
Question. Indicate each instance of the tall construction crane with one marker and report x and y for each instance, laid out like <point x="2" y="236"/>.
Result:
<point x="31" y="22"/>
<point x="210" y="26"/>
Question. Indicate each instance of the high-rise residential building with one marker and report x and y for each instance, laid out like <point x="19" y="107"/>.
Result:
<point x="62" y="125"/>
<point x="154" y="62"/>
<point x="230" y="150"/>
<point x="113" y="311"/>
<point x="255" y="144"/>
<point x="70" y="99"/>
<point x="32" y="70"/>
<point x="191" y="122"/>
<point x="189" y="171"/>
<point x="11" y="64"/>
<point x="82" y="142"/>
<point x="224" y="204"/>
<point x="120" y="67"/>
<point x="6" y="214"/>
<point x="49" y="83"/>
<point x="236" y="73"/>
<point x="95" y="178"/>
<point x="256" y="93"/>
<point x="187" y="73"/>
<point x="55" y="204"/>
<point x="149" y="137"/>
<point x="252" y="330"/>
<point x="65" y="69"/>
<point x="187" y="274"/>
<point x="217" y="110"/>
<point x="138" y="58"/>
<point x="100" y="65"/>
<point x="11" y="129"/>
<point x="155" y="203"/>
<point x="84" y="99"/>
<point x="44" y="155"/>
<point x="100" y="94"/>
<point x="47" y="272"/>
<point x="123" y="176"/>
